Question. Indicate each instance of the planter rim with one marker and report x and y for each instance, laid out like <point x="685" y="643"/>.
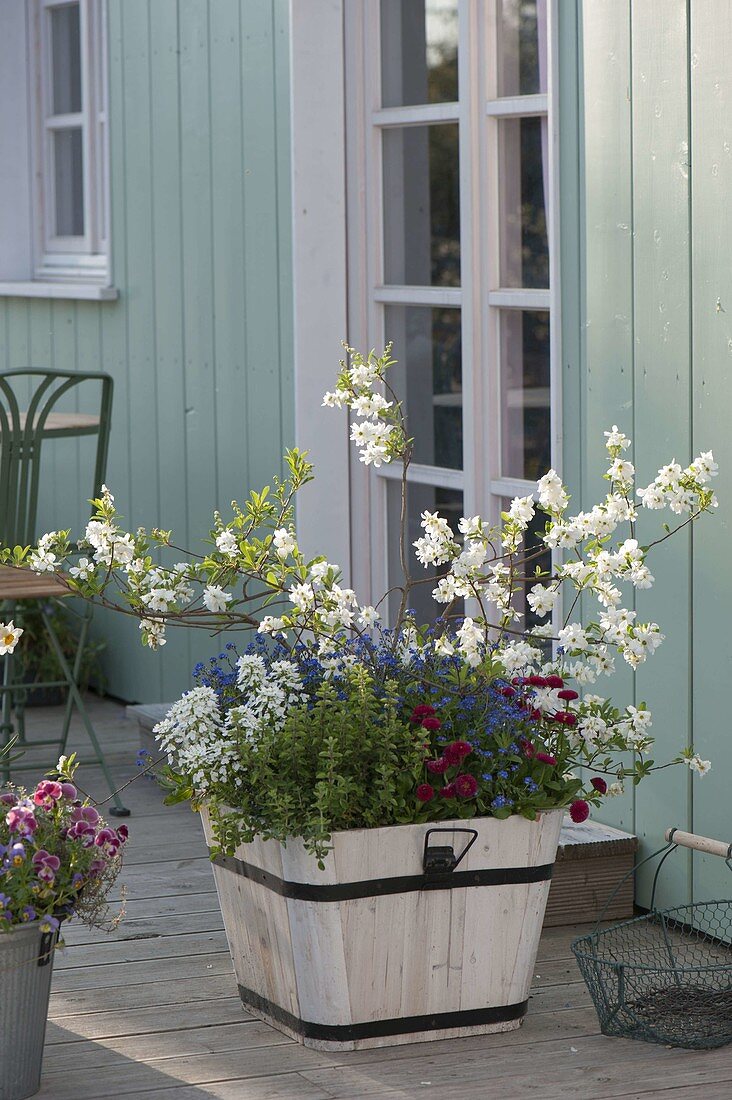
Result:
<point x="449" y="823"/>
<point x="305" y="881"/>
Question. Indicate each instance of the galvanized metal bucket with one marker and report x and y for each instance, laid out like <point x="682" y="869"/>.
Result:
<point x="26" y="964"/>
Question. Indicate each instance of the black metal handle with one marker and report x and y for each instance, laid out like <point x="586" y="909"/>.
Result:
<point x="439" y="860"/>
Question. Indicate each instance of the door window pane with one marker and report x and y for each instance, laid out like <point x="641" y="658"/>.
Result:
<point x="521" y="41"/>
<point x="523" y="169"/>
<point x="419" y="52"/>
<point x="534" y="548"/>
<point x="525" y="405"/>
<point x="66" y="59"/>
<point x="428" y="378"/>
<point x="420" y="498"/>
<point x="68" y="182"/>
<point x="421" y="206"/>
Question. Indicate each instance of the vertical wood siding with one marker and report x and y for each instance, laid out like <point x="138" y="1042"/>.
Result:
<point x="199" y="342"/>
<point x="654" y="93"/>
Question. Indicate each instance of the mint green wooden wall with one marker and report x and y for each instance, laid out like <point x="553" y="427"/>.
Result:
<point x="647" y="322"/>
<point x="199" y="342"/>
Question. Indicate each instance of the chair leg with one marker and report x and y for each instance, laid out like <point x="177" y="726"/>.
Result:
<point x="6" y="725"/>
<point x="69" y="710"/>
<point x="75" y="698"/>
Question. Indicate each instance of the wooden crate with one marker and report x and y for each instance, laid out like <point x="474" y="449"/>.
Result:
<point x="591" y="861"/>
<point x="147" y="715"/>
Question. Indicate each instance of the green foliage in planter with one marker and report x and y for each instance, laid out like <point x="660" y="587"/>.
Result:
<point x="348" y="761"/>
<point x="36" y="663"/>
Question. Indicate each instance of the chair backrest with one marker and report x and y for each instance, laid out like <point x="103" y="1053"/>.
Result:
<point x="29" y="415"/>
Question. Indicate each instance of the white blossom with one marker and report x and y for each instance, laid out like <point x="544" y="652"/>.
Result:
<point x="368" y="616"/>
<point x="542" y="600"/>
<point x="615" y="438"/>
<point x="270" y="624"/>
<point x="703" y="468"/>
<point x="42" y="561"/>
<point x="337" y="399"/>
<point x="226" y="543"/>
<point x="522" y="511"/>
<point x="621" y="470"/>
<point x="154" y="631"/>
<point x="573" y="637"/>
<point x="701" y="767"/>
<point x="552" y="494"/>
<point x="518" y="656"/>
<point x="9" y="636"/>
<point x="370" y="405"/>
<point x="216" y="599"/>
<point x="83" y="571"/>
<point x="284" y="542"/>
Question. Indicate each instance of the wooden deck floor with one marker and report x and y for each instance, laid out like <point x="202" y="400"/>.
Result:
<point x="151" y="1011"/>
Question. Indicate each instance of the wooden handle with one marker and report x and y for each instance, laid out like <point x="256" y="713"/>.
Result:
<point x="699" y="843"/>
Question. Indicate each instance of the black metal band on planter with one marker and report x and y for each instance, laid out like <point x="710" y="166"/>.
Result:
<point x="374" y="1029"/>
<point x="404" y="884"/>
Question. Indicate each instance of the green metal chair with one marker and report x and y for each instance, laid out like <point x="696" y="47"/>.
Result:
<point x="22" y="435"/>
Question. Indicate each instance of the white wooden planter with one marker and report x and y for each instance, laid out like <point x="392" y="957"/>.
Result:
<point x="373" y="951"/>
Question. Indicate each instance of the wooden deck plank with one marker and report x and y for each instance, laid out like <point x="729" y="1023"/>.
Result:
<point x="171" y="991"/>
<point x="115" y="1023"/>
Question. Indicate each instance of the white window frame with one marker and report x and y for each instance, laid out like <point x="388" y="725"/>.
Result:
<point x="82" y="258"/>
<point x="337" y="245"/>
<point x="480" y="296"/>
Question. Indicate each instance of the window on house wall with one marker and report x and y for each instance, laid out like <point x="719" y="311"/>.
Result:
<point x="69" y="103"/>
<point x="53" y="54"/>
<point x="457" y="258"/>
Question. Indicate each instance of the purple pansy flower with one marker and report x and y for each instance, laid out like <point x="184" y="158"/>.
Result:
<point x="46" y="865"/>
<point x="85" y="813"/>
<point x="108" y="841"/>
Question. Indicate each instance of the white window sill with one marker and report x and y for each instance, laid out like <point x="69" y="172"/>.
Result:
<point x="90" y="292"/>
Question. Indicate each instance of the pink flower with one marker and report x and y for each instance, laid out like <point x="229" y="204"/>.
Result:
<point x="431" y="723"/>
<point x="554" y="682"/>
<point x="565" y="717"/>
<point x="47" y="794"/>
<point x="448" y="791"/>
<point x="537" y="681"/>
<point x="466" y="786"/>
<point x="425" y="792"/>
<point x="456" y="752"/>
<point x="422" y="710"/>
<point x="546" y="758"/>
<point x="568" y="694"/>
<point x="437" y="767"/>
<point x="579" y="811"/>
<point x="21" y="819"/>
<point x="599" y="784"/>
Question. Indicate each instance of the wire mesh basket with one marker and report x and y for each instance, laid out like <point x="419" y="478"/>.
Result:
<point x="665" y="977"/>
